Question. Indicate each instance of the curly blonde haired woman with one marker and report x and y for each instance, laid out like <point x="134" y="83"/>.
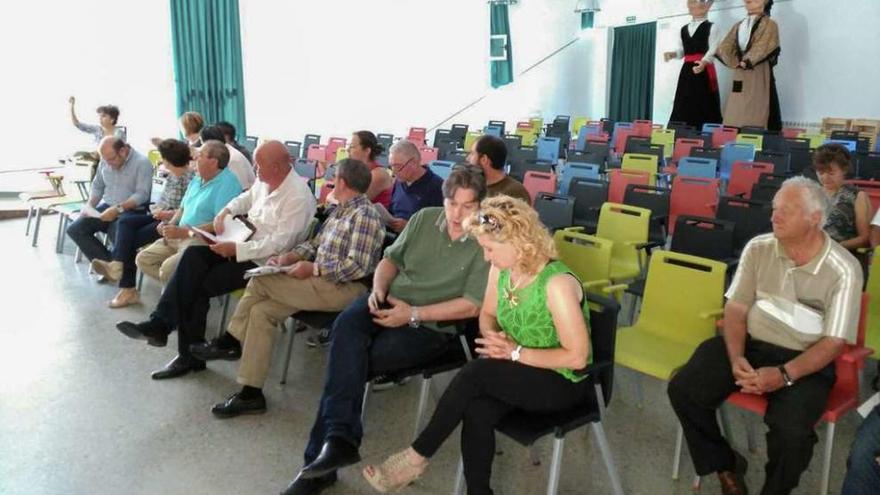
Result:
<point x="534" y="336"/>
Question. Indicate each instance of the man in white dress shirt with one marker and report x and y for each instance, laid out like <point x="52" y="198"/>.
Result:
<point x="238" y="163"/>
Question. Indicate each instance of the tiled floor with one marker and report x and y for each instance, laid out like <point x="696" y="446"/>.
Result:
<point x="79" y="413"/>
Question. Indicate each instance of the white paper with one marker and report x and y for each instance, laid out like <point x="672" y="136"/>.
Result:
<point x="234" y="230"/>
<point x="869" y="405"/>
<point x="383" y="212"/>
<point x="264" y="270"/>
<point x="89" y="211"/>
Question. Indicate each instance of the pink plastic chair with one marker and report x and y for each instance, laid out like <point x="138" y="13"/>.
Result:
<point x="618" y="179"/>
<point x="642" y="128"/>
<point x="428" y="154"/>
<point x="537" y="182"/>
<point x="417" y="135"/>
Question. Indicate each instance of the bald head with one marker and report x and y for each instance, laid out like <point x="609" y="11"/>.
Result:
<point x="114" y="151"/>
<point x="272" y="161"/>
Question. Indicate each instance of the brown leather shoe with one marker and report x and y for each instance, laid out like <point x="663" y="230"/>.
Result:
<point x="125" y="297"/>
<point x="733" y="482"/>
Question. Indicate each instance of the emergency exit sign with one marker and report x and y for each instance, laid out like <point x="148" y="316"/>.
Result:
<point x="630" y="19"/>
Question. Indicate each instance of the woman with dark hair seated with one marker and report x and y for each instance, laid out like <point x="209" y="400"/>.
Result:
<point x="849" y="217"/>
<point x="136" y="231"/>
<point x="365" y="147"/>
<point x="534" y="335"/>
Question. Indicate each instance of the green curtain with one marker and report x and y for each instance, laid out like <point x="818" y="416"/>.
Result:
<point x="632" y="72"/>
<point x="501" y="71"/>
<point x="206" y="42"/>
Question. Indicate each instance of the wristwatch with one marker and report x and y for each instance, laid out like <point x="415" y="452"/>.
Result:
<point x="516" y="353"/>
<point x="414" y="320"/>
<point x="120" y="209"/>
<point x="785" y="376"/>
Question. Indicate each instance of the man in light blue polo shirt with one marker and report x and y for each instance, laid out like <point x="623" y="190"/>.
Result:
<point x="212" y="188"/>
<point x="121" y="186"/>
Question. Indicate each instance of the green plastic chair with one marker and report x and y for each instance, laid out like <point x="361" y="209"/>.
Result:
<point x="641" y="162"/>
<point x="754" y="139"/>
<point x="589" y="257"/>
<point x="872" y="332"/>
<point x="665" y="137"/>
<point x="470" y="138"/>
<point x="627" y="227"/>
<point x="155" y="158"/>
<point x="537" y="125"/>
<point x="577" y="123"/>
<point x="816" y="140"/>
<point x="528" y="136"/>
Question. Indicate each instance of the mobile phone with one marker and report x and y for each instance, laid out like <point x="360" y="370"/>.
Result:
<point x="384" y="304"/>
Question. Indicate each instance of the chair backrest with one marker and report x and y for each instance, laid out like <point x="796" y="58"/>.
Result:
<point x="601" y="150"/>
<point x="868" y="166"/>
<point x="341" y="154"/>
<point x="603" y="338"/>
<point x="734" y="152"/>
<point x="458" y="133"/>
<point x="618" y="179"/>
<point x="704" y="237"/>
<point x="755" y="140"/>
<point x="816" y="139"/>
<point x="527" y="133"/>
<point x="706" y="153"/>
<point x="697" y="167"/>
<point x="317" y="153"/>
<point x="692" y="196"/>
<point x="710" y="128"/>
<point x="643" y="128"/>
<point x="764" y="191"/>
<point x="621" y="134"/>
<point x="537" y="124"/>
<point x="655" y="199"/>
<point x="574" y="170"/>
<point x="250" y="143"/>
<point x="555" y="212"/>
<point x="441" y="168"/>
<point x="334" y="145"/>
<point x="641" y="162"/>
<point x="536" y="182"/>
<point x="586" y="131"/>
<point x="665" y="138"/>
<point x="548" y="149"/>
<point x="723" y="135"/>
<point x="500" y="124"/>
<point x="155" y="158"/>
<point x="849" y="145"/>
<point x="634" y="143"/>
<point x="744" y="175"/>
<point x="577" y="123"/>
<point x="589" y="257"/>
<point x="665" y="309"/>
<point x="589" y="195"/>
<point x="428" y="155"/>
<point x="792" y="132"/>
<point x="800" y="160"/>
<point x="589" y="156"/>
<point x="294" y="148"/>
<point x="307" y="169"/>
<point x="386" y="140"/>
<point x="781" y="160"/>
<point x="470" y="138"/>
<point x="441" y="136"/>
<point x="307" y="142"/>
<point x="624" y="225"/>
<point x="512" y="142"/>
<point x="683" y="147"/>
<point x="416" y="135"/>
<point x="774" y="142"/>
<point x="491" y="130"/>
<point x="750" y="218"/>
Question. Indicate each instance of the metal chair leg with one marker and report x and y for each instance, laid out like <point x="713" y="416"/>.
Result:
<point x="423" y="405"/>
<point x="458" y="489"/>
<point x="826" y="459"/>
<point x="600" y="400"/>
<point x="602" y="442"/>
<point x="227" y="299"/>
<point x="78" y="256"/>
<point x="37" y="227"/>
<point x="59" y="235"/>
<point x="368" y="389"/>
<point x="289" y="350"/>
<point x="676" y="462"/>
<point x="27" y="227"/>
<point x="555" y="465"/>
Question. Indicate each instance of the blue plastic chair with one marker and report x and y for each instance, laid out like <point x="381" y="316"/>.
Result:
<point x="441" y="168"/>
<point x="548" y="149"/>
<point x="849" y="145"/>
<point x="491" y="130"/>
<point x="735" y="152"/>
<point x="585" y="131"/>
<point x="711" y="127"/>
<point x="705" y="168"/>
<point x="577" y="170"/>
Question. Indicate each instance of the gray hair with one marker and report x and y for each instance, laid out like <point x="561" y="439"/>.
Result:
<point x="355" y="173"/>
<point x="216" y="150"/>
<point x="465" y="177"/>
<point x="814" y="197"/>
<point x="405" y="148"/>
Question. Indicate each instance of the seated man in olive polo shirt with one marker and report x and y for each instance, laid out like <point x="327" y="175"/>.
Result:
<point x="490" y="154"/>
<point x="791" y="308"/>
<point x="432" y="273"/>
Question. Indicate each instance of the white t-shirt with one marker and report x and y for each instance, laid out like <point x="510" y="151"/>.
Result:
<point x="241" y="167"/>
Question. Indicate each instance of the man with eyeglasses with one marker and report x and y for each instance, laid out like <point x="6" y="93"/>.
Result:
<point x="121" y="186"/>
<point x="416" y="186"/>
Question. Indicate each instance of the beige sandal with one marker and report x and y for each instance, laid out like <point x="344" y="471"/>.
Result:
<point x="394" y="474"/>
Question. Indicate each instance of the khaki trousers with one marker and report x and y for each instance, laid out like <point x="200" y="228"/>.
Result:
<point x="267" y="302"/>
<point x="159" y="259"/>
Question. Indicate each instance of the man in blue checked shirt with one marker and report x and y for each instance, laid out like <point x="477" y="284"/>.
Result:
<point x="121" y="187"/>
<point x="325" y="273"/>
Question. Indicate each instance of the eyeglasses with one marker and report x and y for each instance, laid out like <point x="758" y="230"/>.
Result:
<point x="492" y="222"/>
<point x="398" y="167"/>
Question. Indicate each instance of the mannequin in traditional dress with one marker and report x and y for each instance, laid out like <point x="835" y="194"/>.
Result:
<point x="696" y="97"/>
<point x="751" y="49"/>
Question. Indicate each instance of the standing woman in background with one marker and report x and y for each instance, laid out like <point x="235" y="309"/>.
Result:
<point x="752" y="49"/>
<point x="107" y="117"/>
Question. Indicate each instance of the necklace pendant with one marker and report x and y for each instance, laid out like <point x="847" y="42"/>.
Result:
<point x="511" y="297"/>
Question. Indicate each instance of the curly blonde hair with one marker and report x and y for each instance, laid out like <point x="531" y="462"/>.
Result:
<point x="512" y="221"/>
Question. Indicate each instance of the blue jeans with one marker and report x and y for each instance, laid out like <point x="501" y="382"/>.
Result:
<point x="82" y="231"/>
<point x="359" y="349"/>
<point x="132" y="232"/>
<point x="863" y="465"/>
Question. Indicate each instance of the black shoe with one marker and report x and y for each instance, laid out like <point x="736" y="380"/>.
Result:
<point x="387" y="382"/>
<point x="309" y="486"/>
<point x="152" y="331"/>
<point x="234" y="406"/>
<point x="322" y="338"/>
<point x="335" y="454"/>
<point x="178" y="366"/>
<point x="209" y="351"/>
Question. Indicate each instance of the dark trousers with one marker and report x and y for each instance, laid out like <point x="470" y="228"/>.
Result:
<point x="479" y="397"/>
<point x="704" y="383"/>
<point x="82" y="231"/>
<point x="184" y="304"/>
<point x="132" y="233"/>
<point x="359" y="348"/>
<point x="863" y="465"/>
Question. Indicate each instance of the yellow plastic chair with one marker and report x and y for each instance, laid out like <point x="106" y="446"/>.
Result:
<point x="341" y="154"/>
<point x="537" y="125"/>
<point x="754" y="139"/>
<point x="528" y="136"/>
<point x="471" y="137"/>
<point x="665" y="137"/>
<point x="155" y="158"/>
<point x="627" y="227"/>
<point x="641" y="162"/>
<point x="872" y="332"/>
<point x="816" y="140"/>
<point x="577" y="123"/>
<point x="589" y="257"/>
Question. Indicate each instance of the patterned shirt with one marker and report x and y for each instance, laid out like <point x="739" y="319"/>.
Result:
<point x="97" y="131"/>
<point x="350" y="243"/>
<point x="175" y="188"/>
<point x="841" y="223"/>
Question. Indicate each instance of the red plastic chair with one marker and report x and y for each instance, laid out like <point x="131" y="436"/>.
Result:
<point x="844" y="396"/>
<point x="723" y="135"/>
<point x="332" y="145"/>
<point x="428" y="154"/>
<point x="683" y="148"/>
<point x="621" y="135"/>
<point x="692" y="196"/>
<point x="642" y="128"/>
<point x="601" y="138"/>
<point x="417" y="135"/>
<point x="744" y="175"/>
<point x="618" y="179"/>
<point x="537" y="182"/>
<point x="792" y="132"/>
<point x="872" y="189"/>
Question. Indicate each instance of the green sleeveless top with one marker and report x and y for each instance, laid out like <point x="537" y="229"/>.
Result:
<point x="529" y="322"/>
